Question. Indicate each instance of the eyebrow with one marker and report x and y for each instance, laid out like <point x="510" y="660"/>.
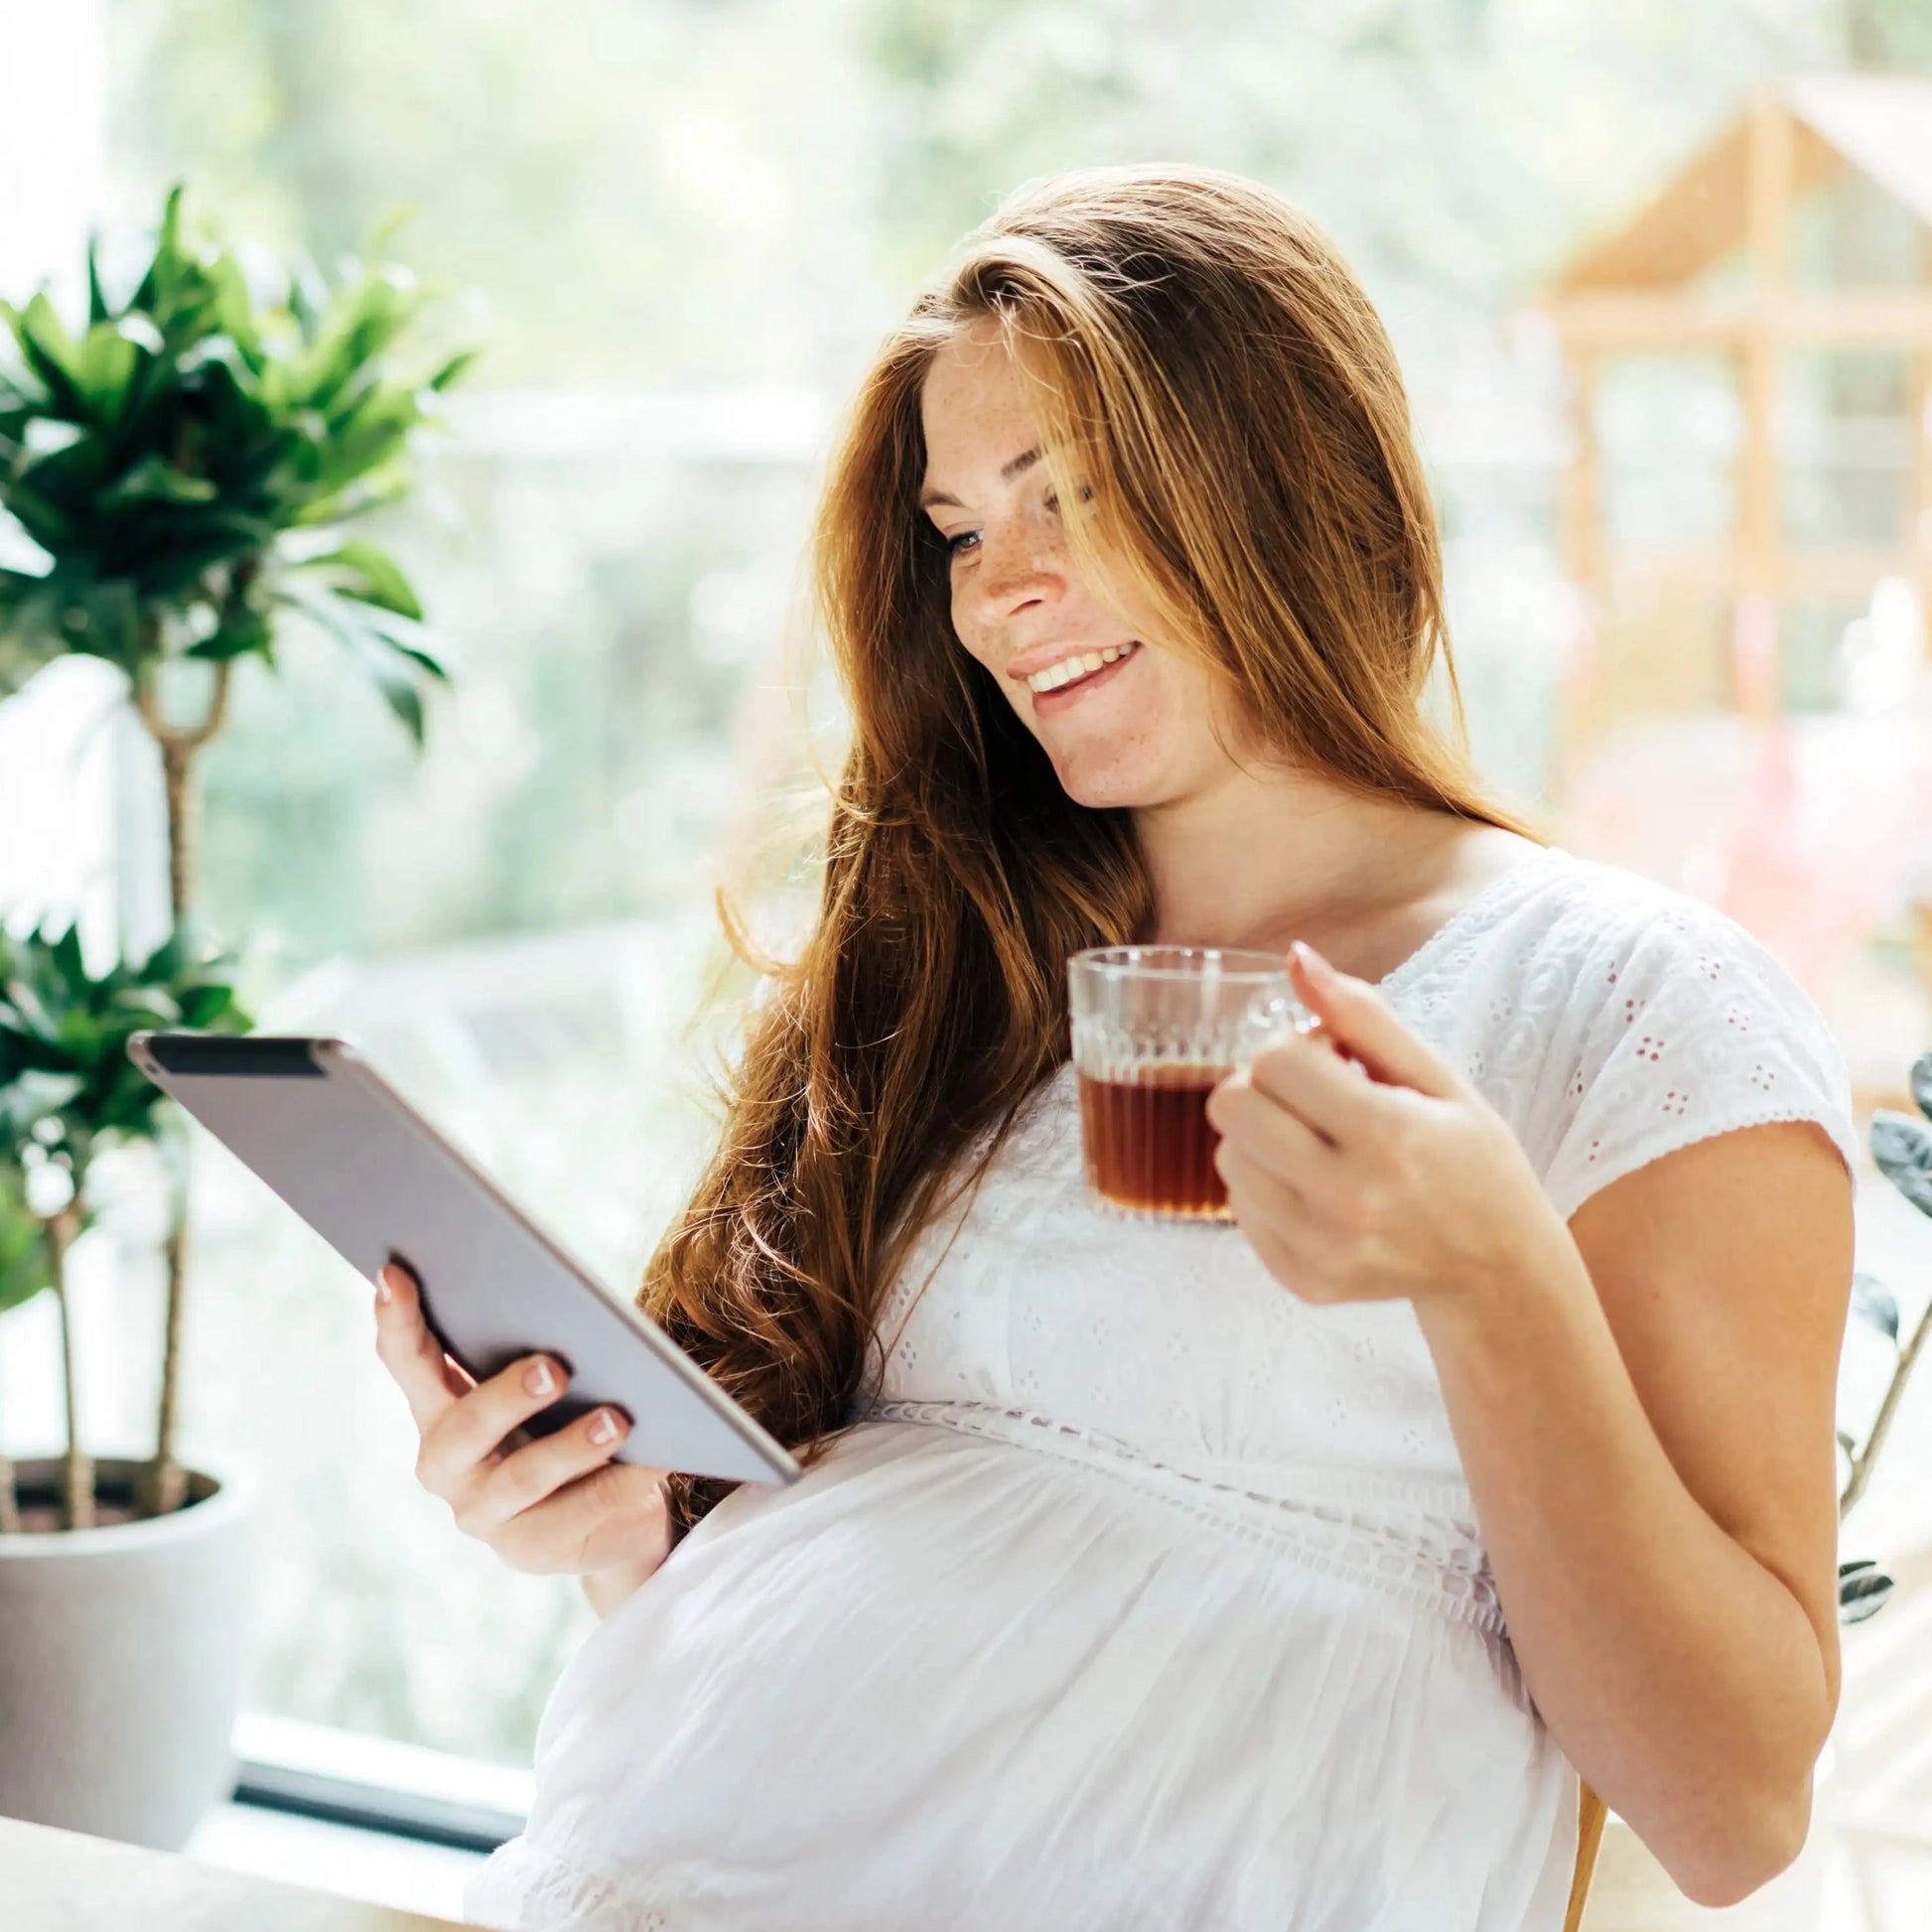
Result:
<point x="1008" y="470"/>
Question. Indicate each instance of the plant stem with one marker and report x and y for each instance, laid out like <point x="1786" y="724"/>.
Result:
<point x="178" y="745"/>
<point x="162" y="1484"/>
<point x="77" y="1467"/>
<point x="1861" y="1469"/>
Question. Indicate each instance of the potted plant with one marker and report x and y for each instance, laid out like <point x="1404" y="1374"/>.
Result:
<point x="120" y="1651"/>
<point x="176" y="477"/>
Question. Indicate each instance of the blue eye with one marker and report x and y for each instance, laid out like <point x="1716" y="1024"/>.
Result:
<point x="1051" y="500"/>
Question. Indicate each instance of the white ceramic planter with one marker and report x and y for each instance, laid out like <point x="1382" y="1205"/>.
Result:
<point x="122" y="1656"/>
<point x="1632" y="1892"/>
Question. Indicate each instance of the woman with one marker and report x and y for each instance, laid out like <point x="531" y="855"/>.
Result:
<point x="1267" y="1574"/>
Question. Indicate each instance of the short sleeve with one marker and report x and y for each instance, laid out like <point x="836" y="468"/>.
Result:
<point x="1694" y="1027"/>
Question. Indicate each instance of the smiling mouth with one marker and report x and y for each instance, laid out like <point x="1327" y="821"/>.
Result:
<point x="1070" y="672"/>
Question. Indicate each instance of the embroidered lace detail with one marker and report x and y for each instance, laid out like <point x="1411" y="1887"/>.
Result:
<point x="519" y="1885"/>
<point x="1435" y="1562"/>
<point x="1689" y="1028"/>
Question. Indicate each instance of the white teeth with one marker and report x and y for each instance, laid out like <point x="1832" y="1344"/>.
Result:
<point x="1084" y="666"/>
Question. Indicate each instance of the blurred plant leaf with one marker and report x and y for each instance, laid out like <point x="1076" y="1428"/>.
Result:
<point x="364" y="572"/>
<point x="1874" y="1303"/>
<point x="23" y="1243"/>
<point x="1902" y="1148"/>
<point x="1863" y="1590"/>
<point x="372" y="638"/>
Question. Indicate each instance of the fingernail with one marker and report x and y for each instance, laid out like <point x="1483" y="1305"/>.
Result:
<point x="538" y="1379"/>
<point x="604" y="1429"/>
<point x="384" y="1292"/>
<point x="1311" y="961"/>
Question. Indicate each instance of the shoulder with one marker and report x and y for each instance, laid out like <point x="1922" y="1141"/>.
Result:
<point x="1630" y="945"/>
<point x="1631" y="1017"/>
<point x="1609" y="936"/>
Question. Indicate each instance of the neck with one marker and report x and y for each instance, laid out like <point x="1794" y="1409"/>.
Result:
<point x="1263" y="856"/>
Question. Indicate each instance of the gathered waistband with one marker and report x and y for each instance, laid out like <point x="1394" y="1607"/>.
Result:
<point x="1389" y="1545"/>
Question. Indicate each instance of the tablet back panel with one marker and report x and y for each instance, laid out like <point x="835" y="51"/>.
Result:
<point x="378" y="1183"/>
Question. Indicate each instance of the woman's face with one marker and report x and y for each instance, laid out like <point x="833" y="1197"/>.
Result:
<point x="1124" y="721"/>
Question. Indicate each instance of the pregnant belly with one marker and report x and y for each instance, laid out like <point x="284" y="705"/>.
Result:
<point x="941" y="1668"/>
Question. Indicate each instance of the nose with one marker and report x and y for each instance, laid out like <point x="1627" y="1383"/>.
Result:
<point x="1022" y="566"/>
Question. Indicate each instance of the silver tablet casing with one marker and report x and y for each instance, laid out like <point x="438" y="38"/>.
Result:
<point x="323" y="1128"/>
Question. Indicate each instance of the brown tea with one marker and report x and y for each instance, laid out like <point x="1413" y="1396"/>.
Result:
<point x="1147" y="1142"/>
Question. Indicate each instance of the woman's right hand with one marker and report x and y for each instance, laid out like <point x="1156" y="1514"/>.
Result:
<point x="553" y="1505"/>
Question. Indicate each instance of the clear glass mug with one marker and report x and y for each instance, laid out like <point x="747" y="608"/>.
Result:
<point x="1154" y="1030"/>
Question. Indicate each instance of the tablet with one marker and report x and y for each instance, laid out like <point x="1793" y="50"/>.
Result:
<point x="323" y="1128"/>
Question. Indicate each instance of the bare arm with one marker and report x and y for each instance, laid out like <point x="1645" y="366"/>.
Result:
<point x="1645" y="1416"/>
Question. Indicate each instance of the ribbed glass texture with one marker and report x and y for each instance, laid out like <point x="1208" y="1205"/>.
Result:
<point x="1154" y="1030"/>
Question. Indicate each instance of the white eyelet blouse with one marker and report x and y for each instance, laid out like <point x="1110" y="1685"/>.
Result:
<point x="1143" y="1593"/>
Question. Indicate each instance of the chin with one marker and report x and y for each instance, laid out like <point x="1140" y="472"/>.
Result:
<point x="1103" y="780"/>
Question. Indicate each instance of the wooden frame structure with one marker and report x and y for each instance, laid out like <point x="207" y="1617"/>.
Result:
<point x="1636" y="289"/>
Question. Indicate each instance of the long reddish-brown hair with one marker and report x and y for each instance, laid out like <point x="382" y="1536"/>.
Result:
<point x="1210" y="370"/>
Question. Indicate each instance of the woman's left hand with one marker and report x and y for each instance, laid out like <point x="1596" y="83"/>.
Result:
<point x="1389" y="1177"/>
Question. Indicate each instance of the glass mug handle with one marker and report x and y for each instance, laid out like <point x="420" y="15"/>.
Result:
<point x="1276" y="1011"/>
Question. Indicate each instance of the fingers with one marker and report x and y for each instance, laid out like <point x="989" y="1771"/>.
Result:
<point x="1256" y="1194"/>
<point x="1310" y="1077"/>
<point x="1265" y="1129"/>
<point x="429" y="1380"/>
<point x="554" y="1504"/>
<point x="1357" y="1015"/>
<point x="527" y="1476"/>
<point x="470" y="1431"/>
<point x="618" y="1514"/>
<point x="1273" y="1216"/>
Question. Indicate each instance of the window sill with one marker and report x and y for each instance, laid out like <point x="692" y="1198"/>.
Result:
<point x="374" y="1785"/>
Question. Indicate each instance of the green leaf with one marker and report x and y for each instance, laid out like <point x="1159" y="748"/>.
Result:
<point x="307" y="294"/>
<point x="50" y="526"/>
<point x="389" y="484"/>
<point x="65" y="1074"/>
<point x="98" y="309"/>
<point x="106" y="622"/>
<point x="108" y="359"/>
<point x="202" y="1005"/>
<point x="49" y="352"/>
<point x="370" y="575"/>
<point x="388" y="227"/>
<point x="384" y="665"/>
<point x="24" y="1259"/>
<point x="454" y="370"/>
<point x="238" y="636"/>
<point x="171" y="272"/>
<point x="154" y="480"/>
<point x="192" y="427"/>
<point x="401" y="636"/>
<point x="165" y="962"/>
<point x="67" y="953"/>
